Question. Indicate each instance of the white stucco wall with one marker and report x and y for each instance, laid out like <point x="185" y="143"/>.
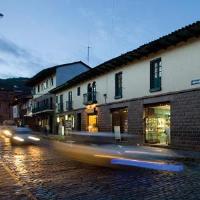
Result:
<point x="180" y="65"/>
<point x="62" y="74"/>
<point x="45" y="90"/>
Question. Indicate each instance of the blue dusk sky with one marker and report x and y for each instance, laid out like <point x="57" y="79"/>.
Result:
<point x="35" y="34"/>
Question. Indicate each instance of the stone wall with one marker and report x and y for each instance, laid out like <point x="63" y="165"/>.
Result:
<point x="185" y="120"/>
<point x="104" y="119"/>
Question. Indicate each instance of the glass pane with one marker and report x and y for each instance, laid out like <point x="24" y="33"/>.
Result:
<point x="155" y="72"/>
<point x="157" y="119"/>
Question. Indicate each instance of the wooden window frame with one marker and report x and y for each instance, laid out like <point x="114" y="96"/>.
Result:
<point x="155" y="82"/>
<point x="118" y="90"/>
<point x="78" y="91"/>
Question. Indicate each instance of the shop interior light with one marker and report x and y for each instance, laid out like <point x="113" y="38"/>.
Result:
<point x="91" y="106"/>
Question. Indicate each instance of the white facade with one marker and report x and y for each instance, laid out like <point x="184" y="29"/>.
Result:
<point x="15" y="111"/>
<point x="180" y="65"/>
<point x="62" y="74"/>
<point x="44" y="86"/>
<point x="28" y="107"/>
<point x="43" y="102"/>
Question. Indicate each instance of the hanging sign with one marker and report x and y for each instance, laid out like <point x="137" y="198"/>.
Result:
<point x="68" y="124"/>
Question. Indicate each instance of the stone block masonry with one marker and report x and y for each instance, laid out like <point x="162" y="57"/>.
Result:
<point x="184" y="122"/>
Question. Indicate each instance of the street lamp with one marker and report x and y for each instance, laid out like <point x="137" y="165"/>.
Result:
<point x="1" y="15"/>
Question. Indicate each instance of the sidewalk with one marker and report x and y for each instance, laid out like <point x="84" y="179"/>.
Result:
<point x="146" y="152"/>
<point x="131" y="151"/>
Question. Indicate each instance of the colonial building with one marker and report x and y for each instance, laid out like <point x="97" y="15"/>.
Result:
<point x="43" y="103"/>
<point x="22" y="110"/>
<point x="11" y="91"/>
<point x="151" y="93"/>
<point x="6" y="99"/>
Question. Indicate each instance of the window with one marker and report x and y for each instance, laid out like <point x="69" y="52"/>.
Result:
<point x="61" y="103"/>
<point x="94" y="87"/>
<point x="61" y="99"/>
<point x="94" y="90"/>
<point x="42" y="86"/>
<point x="89" y="90"/>
<point x="78" y="91"/>
<point x="118" y="85"/>
<point x="155" y="75"/>
<point x="51" y="80"/>
<point x="34" y="90"/>
<point x="38" y="88"/>
<point x="69" y="102"/>
<point x="70" y="96"/>
<point x="47" y="83"/>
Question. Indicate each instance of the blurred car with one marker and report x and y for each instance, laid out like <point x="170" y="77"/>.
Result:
<point x="20" y="135"/>
<point x="7" y="130"/>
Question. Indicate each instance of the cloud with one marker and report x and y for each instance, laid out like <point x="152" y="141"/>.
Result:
<point x="17" y="61"/>
<point x="2" y="61"/>
<point x="11" y="48"/>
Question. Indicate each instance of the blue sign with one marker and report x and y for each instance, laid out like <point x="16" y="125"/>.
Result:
<point x="195" y="82"/>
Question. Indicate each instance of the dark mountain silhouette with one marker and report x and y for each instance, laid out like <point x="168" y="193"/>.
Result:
<point x="15" y="84"/>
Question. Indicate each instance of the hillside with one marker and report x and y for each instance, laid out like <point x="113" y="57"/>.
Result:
<point x="14" y="84"/>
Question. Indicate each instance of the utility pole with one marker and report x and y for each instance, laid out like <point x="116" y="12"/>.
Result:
<point x="88" y="54"/>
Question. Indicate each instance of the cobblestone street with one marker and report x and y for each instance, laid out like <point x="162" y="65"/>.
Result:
<point x="35" y="172"/>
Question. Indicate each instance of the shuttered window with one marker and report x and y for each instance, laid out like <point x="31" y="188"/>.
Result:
<point x="118" y="85"/>
<point x="78" y="91"/>
<point x="70" y="96"/>
<point x="155" y="75"/>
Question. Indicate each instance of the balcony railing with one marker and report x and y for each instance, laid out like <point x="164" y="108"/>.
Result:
<point x="90" y="98"/>
<point x="69" y="105"/>
<point x="60" y="108"/>
<point x="43" y="108"/>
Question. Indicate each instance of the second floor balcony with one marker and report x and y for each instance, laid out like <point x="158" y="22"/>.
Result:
<point x="67" y="107"/>
<point x="42" y="108"/>
<point x="90" y="98"/>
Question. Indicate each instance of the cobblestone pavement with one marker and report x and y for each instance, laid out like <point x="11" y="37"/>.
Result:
<point x="35" y="172"/>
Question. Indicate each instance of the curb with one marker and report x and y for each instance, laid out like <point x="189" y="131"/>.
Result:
<point x="183" y="158"/>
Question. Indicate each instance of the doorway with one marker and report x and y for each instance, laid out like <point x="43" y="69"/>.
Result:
<point x="157" y="124"/>
<point x="92" y="123"/>
<point x="120" y="119"/>
<point x="78" y="121"/>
